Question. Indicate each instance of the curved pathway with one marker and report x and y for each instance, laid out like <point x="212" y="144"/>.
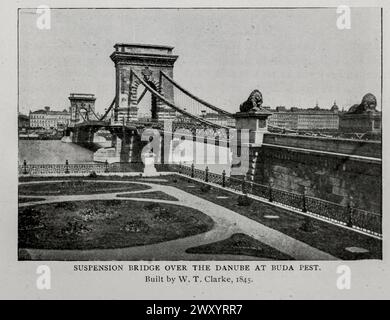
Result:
<point x="227" y="222"/>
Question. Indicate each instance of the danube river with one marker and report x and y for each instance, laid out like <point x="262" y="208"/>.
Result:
<point x="52" y="152"/>
<point x="56" y="152"/>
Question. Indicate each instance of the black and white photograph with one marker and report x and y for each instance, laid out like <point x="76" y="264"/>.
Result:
<point x="199" y="134"/>
<point x="199" y="151"/>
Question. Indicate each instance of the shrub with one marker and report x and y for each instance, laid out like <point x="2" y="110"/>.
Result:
<point x="307" y="225"/>
<point x="75" y="228"/>
<point x="135" y="227"/>
<point x="244" y="200"/>
<point x="64" y="205"/>
<point x="205" y="188"/>
<point x="93" y="174"/>
<point x="163" y="211"/>
<point x="164" y="215"/>
<point x="152" y="206"/>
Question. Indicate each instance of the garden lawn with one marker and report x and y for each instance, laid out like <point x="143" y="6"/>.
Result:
<point x="240" y="244"/>
<point x="149" y="195"/>
<point x="77" y="186"/>
<point x="102" y="224"/>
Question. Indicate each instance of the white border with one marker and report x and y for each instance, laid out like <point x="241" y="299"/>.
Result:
<point x="17" y="279"/>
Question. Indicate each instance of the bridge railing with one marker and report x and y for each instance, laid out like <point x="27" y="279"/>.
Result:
<point x="58" y="168"/>
<point x="85" y="168"/>
<point x="356" y="218"/>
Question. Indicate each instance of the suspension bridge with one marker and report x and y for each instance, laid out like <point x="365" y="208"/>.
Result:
<point x="146" y="72"/>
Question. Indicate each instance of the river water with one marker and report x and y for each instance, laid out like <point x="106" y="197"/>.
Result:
<point x="57" y="152"/>
<point x="52" y="152"/>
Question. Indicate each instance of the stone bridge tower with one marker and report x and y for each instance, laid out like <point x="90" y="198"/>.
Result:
<point x="81" y="103"/>
<point x="147" y="61"/>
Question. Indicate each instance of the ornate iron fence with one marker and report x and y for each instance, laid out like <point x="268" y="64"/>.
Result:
<point x="369" y="222"/>
<point x="85" y="168"/>
<point x="328" y="210"/>
<point x="215" y="178"/>
<point x="233" y="183"/>
<point x="365" y="220"/>
<point x="287" y="198"/>
<point x="120" y="167"/>
<point x="260" y="190"/>
<point x="199" y="174"/>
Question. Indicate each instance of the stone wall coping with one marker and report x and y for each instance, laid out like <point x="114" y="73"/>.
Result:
<point x="124" y="56"/>
<point x="328" y="153"/>
<point x="141" y="45"/>
<point x="361" y="115"/>
<point x="85" y="98"/>
<point x="251" y="115"/>
<point x="324" y="138"/>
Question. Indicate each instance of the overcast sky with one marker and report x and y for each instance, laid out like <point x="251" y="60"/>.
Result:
<point x="294" y="56"/>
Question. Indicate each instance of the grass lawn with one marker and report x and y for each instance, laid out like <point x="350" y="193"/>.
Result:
<point x="105" y="224"/>
<point x="150" y="195"/>
<point x="24" y="200"/>
<point x="241" y="244"/>
<point x="77" y="186"/>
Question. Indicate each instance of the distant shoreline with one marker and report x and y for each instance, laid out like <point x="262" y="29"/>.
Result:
<point x="40" y="138"/>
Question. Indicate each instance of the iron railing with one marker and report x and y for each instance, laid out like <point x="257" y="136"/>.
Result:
<point x="369" y="222"/>
<point x="85" y="168"/>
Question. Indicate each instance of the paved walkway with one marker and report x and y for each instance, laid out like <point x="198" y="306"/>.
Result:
<point x="227" y="222"/>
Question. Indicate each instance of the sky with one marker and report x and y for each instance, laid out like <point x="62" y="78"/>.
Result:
<point x="295" y="57"/>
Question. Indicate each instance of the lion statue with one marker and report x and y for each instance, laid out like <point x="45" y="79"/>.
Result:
<point x="253" y="103"/>
<point x="368" y="104"/>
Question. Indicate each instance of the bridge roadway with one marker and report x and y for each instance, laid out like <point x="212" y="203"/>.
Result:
<point x="83" y="133"/>
<point x="129" y="140"/>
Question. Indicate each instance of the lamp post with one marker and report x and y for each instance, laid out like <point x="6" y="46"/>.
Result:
<point x="350" y="212"/>
<point x="270" y="196"/>
<point x="304" y="209"/>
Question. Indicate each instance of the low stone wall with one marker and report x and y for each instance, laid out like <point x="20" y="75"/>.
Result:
<point x="344" y="146"/>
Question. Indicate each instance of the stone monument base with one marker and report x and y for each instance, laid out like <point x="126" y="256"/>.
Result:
<point x="251" y="126"/>
<point x="255" y="122"/>
<point x="149" y="169"/>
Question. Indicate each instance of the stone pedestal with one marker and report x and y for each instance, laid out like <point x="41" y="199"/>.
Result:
<point x="149" y="169"/>
<point x="369" y="122"/>
<point x="255" y="122"/>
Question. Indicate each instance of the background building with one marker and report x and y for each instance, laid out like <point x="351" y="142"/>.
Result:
<point x="305" y="119"/>
<point x="23" y="121"/>
<point x="49" y="119"/>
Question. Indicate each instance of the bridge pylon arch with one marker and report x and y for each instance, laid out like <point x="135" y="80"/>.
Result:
<point x="156" y="104"/>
